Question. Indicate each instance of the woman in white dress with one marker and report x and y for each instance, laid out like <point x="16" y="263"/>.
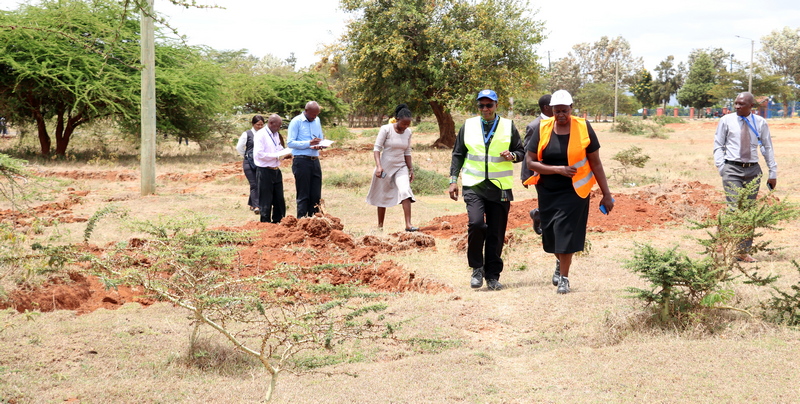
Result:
<point x="391" y="184"/>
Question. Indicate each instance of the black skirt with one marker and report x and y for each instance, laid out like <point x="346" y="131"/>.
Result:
<point x="564" y="217"/>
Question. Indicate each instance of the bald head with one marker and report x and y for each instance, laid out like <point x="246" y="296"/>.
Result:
<point x="747" y="97"/>
<point x="312" y="110"/>
<point x="744" y="103"/>
<point x="274" y="123"/>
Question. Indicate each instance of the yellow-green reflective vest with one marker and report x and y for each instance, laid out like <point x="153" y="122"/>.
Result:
<point x="480" y="164"/>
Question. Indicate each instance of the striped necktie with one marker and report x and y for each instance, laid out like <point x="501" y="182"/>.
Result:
<point x="744" y="147"/>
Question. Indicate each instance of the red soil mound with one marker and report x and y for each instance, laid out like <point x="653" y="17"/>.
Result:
<point x="308" y="242"/>
<point x="649" y="207"/>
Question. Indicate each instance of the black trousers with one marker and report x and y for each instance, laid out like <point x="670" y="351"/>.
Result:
<point x="308" y="183"/>
<point x="486" y="233"/>
<point x="250" y="174"/>
<point x="270" y="195"/>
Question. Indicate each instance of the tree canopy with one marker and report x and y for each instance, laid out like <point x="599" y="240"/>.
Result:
<point x="668" y="80"/>
<point x="439" y="53"/>
<point x="643" y="88"/>
<point x="270" y="85"/>
<point x="696" y="91"/>
<point x="71" y="62"/>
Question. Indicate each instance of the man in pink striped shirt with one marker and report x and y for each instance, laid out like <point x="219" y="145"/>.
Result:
<point x="268" y="142"/>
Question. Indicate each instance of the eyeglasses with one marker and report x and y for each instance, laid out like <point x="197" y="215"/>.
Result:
<point x="487" y="106"/>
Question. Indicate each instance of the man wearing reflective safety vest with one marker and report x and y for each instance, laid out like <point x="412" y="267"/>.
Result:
<point x="485" y="148"/>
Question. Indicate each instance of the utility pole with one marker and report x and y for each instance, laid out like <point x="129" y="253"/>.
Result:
<point x="148" y="109"/>
<point x="750" y="78"/>
<point x="616" y="89"/>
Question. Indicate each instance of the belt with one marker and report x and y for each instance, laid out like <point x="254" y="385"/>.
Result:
<point x="740" y="164"/>
<point x="307" y="157"/>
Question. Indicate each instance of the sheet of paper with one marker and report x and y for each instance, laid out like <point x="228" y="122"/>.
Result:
<point x="285" y="152"/>
<point x="325" y="143"/>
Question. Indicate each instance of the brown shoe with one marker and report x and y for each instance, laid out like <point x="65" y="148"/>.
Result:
<point x="747" y="259"/>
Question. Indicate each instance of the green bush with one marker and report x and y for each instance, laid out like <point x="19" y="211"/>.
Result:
<point x="371" y="133"/>
<point x="678" y="283"/>
<point x="682" y="288"/>
<point x="663" y="119"/>
<point x="638" y="127"/>
<point x="338" y="133"/>
<point x="426" y="127"/>
<point x="347" y="179"/>
<point x="629" y="125"/>
<point x="427" y="182"/>
<point x="784" y="307"/>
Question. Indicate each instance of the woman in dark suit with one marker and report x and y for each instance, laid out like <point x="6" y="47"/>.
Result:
<point x="564" y="151"/>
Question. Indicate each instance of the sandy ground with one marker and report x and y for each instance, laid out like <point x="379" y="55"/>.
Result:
<point x="524" y="344"/>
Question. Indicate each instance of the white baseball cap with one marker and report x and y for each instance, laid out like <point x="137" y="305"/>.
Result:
<point x="561" y="97"/>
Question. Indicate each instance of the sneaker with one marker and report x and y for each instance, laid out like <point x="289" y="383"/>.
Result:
<point x="563" y="286"/>
<point x="494" y="284"/>
<point x="537" y="221"/>
<point x="477" y="278"/>
<point x="557" y="273"/>
<point x="257" y="211"/>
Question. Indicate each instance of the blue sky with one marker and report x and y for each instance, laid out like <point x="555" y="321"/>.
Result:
<point x="654" y="29"/>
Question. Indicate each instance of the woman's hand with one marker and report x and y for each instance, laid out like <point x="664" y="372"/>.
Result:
<point x="608" y="202"/>
<point x="410" y="175"/>
<point x="379" y="172"/>
<point x="568" y="171"/>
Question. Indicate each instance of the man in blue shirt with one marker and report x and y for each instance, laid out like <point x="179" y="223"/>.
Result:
<point x="305" y="135"/>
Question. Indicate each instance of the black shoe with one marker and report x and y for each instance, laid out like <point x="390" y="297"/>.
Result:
<point x="563" y="286"/>
<point x="493" y="284"/>
<point x="537" y="221"/>
<point x="557" y="273"/>
<point x="477" y="278"/>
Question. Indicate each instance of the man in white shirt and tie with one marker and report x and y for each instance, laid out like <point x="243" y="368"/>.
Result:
<point x="266" y="142"/>
<point x="738" y="138"/>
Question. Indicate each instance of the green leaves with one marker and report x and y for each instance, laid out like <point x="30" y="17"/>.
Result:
<point x="422" y="52"/>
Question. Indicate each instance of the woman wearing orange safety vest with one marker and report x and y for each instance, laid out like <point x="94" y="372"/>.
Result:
<point x="564" y="153"/>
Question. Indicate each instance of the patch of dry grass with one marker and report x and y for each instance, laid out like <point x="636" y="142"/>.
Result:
<point x="523" y="344"/>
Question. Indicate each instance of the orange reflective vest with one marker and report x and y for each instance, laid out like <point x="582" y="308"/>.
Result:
<point x="583" y="180"/>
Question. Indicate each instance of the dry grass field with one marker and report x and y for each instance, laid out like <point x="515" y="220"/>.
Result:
<point x="524" y="344"/>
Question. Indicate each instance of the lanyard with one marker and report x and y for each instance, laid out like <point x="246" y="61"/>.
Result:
<point x="753" y="128"/>
<point x="488" y="136"/>
<point x="272" y="137"/>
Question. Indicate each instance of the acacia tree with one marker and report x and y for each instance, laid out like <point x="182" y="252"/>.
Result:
<point x="437" y="52"/>
<point x="63" y="60"/>
<point x="780" y="52"/>
<point x="566" y="75"/>
<point x="600" y="63"/>
<point x="71" y="62"/>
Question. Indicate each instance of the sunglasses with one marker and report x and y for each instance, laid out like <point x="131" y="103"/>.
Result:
<point x="487" y="106"/>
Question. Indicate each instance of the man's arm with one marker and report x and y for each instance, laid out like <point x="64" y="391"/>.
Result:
<point x="720" y="137"/>
<point x="456" y="162"/>
<point x="769" y="153"/>
<point x="259" y="145"/>
<point x="516" y="146"/>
